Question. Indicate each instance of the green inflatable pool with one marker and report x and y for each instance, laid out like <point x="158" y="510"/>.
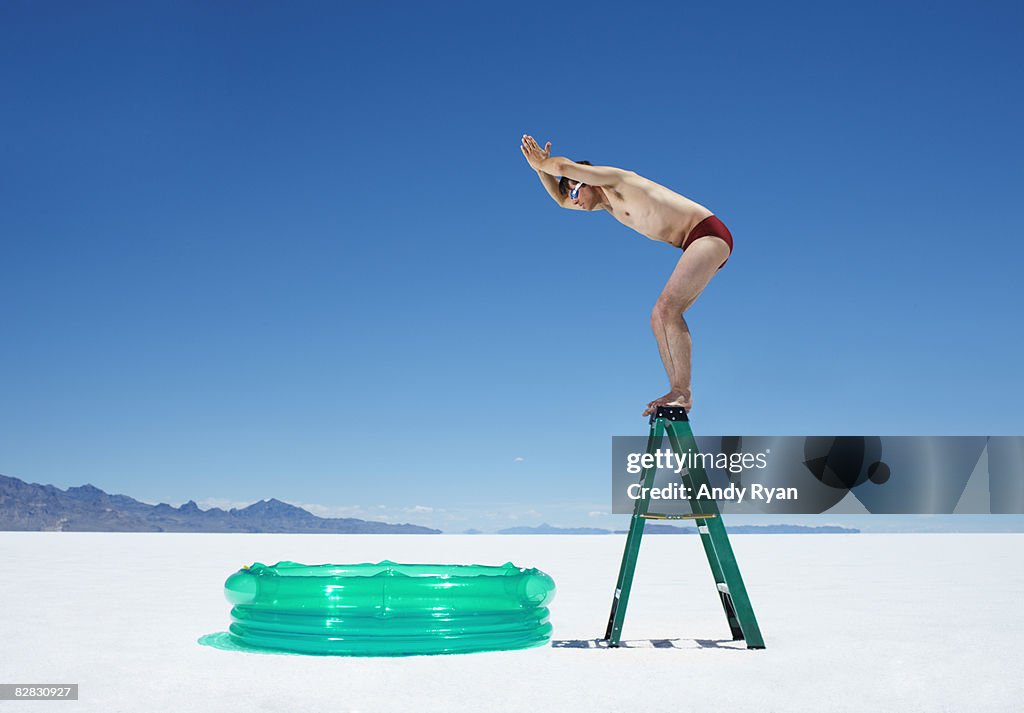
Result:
<point x="388" y="609"/>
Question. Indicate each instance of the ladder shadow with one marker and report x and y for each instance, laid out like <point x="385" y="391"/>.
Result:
<point x="724" y="644"/>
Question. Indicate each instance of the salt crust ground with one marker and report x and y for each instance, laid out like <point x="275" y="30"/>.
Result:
<point x="852" y="623"/>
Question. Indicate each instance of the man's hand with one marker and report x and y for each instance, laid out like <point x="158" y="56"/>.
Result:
<point x="534" y="154"/>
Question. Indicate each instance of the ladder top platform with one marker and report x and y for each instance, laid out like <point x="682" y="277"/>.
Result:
<point x="671" y="413"/>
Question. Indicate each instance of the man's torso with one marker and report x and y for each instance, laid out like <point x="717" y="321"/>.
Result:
<point x="653" y="210"/>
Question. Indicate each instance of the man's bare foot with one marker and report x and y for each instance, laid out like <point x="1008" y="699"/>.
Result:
<point x="672" y="398"/>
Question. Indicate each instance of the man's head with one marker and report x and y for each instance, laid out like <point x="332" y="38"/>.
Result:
<point x="575" y="190"/>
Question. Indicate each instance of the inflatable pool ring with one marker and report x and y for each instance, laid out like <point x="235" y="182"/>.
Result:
<point x="388" y="609"/>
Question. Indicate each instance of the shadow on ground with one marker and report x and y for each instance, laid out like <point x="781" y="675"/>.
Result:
<point x="651" y="644"/>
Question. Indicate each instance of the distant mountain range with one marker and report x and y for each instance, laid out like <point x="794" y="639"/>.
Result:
<point x="30" y="506"/>
<point x="546" y="529"/>
<point x="659" y="529"/>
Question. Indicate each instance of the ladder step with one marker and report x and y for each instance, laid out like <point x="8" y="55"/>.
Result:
<point x="723" y="587"/>
<point x="687" y="516"/>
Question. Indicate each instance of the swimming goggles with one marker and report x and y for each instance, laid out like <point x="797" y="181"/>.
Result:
<point x="575" y="192"/>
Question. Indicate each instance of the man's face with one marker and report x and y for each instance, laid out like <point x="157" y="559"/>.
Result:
<point x="579" y="194"/>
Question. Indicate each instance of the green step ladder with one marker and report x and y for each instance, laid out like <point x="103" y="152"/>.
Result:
<point x="738" y="612"/>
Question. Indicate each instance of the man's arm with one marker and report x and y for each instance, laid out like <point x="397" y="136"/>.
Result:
<point x="550" y="184"/>
<point x="535" y="155"/>
<point x="590" y="175"/>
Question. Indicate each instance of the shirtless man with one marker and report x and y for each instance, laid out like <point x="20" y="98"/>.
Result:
<point x="659" y="214"/>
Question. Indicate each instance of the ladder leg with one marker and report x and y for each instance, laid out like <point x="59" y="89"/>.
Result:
<point x="613" y="632"/>
<point x="728" y="580"/>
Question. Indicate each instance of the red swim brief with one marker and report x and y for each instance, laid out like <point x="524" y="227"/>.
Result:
<point x="710" y="226"/>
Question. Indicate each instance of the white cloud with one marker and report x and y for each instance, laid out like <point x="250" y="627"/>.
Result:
<point x="221" y="503"/>
<point x="333" y="510"/>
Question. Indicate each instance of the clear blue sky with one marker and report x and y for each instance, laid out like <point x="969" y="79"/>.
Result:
<point x="257" y="249"/>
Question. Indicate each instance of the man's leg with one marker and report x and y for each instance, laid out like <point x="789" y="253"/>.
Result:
<point x="699" y="263"/>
